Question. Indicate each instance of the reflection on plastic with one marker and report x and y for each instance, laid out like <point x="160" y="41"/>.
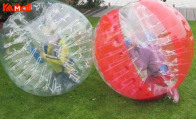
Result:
<point x="47" y="51"/>
<point x="144" y="50"/>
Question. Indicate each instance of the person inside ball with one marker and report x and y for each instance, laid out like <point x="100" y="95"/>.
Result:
<point x="56" y="53"/>
<point x="151" y="67"/>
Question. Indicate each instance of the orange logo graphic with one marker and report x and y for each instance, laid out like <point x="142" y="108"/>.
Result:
<point x="17" y="8"/>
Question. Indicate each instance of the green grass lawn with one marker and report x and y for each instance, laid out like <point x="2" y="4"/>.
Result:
<point x="95" y="100"/>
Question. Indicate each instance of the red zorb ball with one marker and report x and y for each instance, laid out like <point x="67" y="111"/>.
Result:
<point x="144" y="50"/>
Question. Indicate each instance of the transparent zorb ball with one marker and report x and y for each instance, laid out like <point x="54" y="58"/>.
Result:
<point x="47" y="51"/>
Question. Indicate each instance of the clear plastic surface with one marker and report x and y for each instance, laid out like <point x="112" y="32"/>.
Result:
<point x="47" y="51"/>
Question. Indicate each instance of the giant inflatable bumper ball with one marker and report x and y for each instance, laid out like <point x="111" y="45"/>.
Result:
<point x="47" y="51"/>
<point x="144" y="50"/>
